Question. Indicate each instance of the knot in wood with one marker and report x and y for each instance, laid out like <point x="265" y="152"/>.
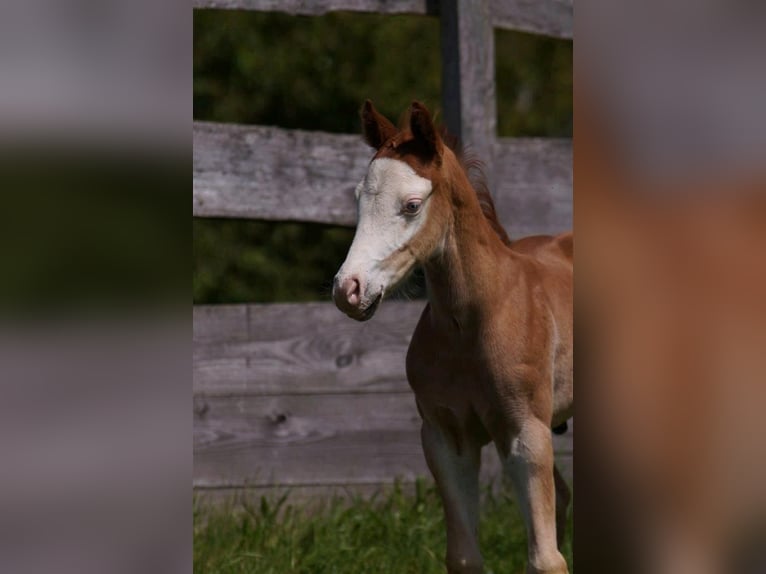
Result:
<point x="279" y="418"/>
<point x="344" y="360"/>
<point x="200" y="408"/>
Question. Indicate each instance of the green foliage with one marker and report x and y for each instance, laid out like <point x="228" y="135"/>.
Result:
<point x="534" y="85"/>
<point x="313" y="73"/>
<point x="242" y="261"/>
<point x="392" y="534"/>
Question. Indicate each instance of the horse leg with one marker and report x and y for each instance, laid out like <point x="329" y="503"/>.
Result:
<point x="455" y="468"/>
<point x="529" y="462"/>
<point x="563" y="498"/>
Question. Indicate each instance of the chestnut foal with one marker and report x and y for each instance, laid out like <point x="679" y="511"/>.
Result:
<point x="491" y="358"/>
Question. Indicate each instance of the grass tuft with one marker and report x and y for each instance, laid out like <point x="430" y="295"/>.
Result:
<point x="392" y="533"/>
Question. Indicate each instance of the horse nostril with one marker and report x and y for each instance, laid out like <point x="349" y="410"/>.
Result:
<point x="347" y="293"/>
<point x="353" y="291"/>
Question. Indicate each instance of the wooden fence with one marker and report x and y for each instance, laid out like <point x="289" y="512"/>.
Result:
<point x="298" y="395"/>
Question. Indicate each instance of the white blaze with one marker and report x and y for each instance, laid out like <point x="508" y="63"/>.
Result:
<point x="382" y="227"/>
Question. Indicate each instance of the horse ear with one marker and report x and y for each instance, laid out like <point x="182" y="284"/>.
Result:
<point x="423" y="130"/>
<point x="376" y="127"/>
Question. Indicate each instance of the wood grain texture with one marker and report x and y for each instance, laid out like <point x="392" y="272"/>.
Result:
<point x="300" y="348"/>
<point x="306" y="439"/>
<point x="316" y="440"/>
<point x="533" y="178"/>
<point x="275" y="174"/>
<point x="468" y="76"/>
<point x="547" y="17"/>
<point x="270" y="173"/>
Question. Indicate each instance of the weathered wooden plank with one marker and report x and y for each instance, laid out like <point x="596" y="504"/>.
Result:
<point x="319" y="7"/>
<point x="300" y="348"/>
<point x="296" y="440"/>
<point x="306" y="439"/>
<point x="548" y="17"/>
<point x="220" y="323"/>
<point x="275" y="174"/>
<point x="533" y="179"/>
<point x="468" y="76"/>
<point x="271" y="173"/>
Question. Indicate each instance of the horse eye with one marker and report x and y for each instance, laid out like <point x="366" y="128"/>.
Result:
<point x="411" y="207"/>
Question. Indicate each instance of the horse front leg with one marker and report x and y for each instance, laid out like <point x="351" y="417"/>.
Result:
<point x="529" y="463"/>
<point x="454" y="464"/>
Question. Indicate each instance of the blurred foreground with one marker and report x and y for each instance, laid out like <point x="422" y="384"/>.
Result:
<point x="671" y="289"/>
<point x="95" y="151"/>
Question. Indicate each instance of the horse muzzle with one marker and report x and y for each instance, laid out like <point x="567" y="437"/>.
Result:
<point x="347" y="295"/>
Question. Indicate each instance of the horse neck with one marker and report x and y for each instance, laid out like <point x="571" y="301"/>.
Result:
<point x="463" y="280"/>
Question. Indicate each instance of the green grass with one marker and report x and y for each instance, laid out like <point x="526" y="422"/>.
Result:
<point x="396" y="533"/>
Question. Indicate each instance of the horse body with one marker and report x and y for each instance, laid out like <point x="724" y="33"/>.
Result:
<point x="496" y="366"/>
<point x="491" y="357"/>
<point x="492" y="347"/>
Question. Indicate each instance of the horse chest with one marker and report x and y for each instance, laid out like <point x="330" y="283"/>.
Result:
<point x="444" y="370"/>
<point x="481" y="377"/>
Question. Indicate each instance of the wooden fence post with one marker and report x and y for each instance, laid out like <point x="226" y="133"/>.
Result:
<point x="468" y="76"/>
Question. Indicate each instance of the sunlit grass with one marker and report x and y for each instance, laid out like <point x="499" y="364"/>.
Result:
<point x="396" y="533"/>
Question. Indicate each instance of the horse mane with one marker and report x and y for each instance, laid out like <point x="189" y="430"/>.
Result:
<point x="474" y="170"/>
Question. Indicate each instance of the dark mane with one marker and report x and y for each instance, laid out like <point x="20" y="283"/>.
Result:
<point x="474" y="169"/>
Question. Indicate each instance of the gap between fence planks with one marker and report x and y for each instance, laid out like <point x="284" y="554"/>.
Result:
<point x="276" y="174"/>
<point x="547" y="17"/>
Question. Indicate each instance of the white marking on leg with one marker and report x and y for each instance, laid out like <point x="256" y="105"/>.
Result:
<point x="457" y="477"/>
<point x="530" y="467"/>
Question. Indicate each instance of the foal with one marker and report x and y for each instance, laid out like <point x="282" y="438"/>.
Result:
<point x="491" y="358"/>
